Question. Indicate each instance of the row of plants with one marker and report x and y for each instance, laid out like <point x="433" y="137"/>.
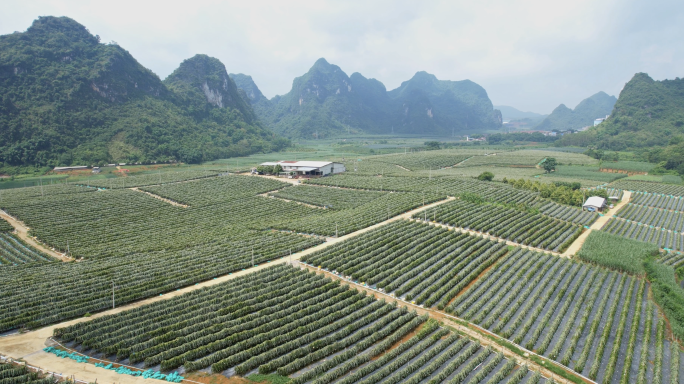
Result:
<point x="578" y="314"/>
<point x="571" y="214"/>
<point x="19" y="374"/>
<point x="332" y="198"/>
<point x="425" y="264"/>
<point x="14" y="251"/>
<point x="656" y="217"/>
<point x="33" y="295"/>
<point x="645" y="186"/>
<point x="659" y="236"/>
<point x="507" y="223"/>
<point x="151" y="178"/>
<point x="657" y="200"/>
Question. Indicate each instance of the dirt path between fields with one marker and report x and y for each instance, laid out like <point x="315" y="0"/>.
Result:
<point x="598" y="224"/>
<point x="21" y="231"/>
<point x="29" y="346"/>
<point x="159" y="197"/>
<point x="473" y="331"/>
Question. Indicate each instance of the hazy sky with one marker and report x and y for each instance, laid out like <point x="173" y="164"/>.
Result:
<point x="532" y="55"/>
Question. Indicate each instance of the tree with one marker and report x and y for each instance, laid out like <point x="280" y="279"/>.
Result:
<point x="277" y="169"/>
<point x="486" y="176"/>
<point x="431" y="145"/>
<point x="549" y="164"/>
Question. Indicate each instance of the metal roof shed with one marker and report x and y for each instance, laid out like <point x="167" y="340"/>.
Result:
<point x="596" y="203"/>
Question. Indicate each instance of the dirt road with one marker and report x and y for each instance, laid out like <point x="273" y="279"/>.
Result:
<point x="21" y="230"/>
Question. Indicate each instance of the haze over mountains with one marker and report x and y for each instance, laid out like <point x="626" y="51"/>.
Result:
<point x="647" y="113"/>
<point x="325" y="102"/>
<point x="563" y="118"/>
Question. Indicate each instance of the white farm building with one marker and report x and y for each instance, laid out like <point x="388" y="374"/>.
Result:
<point x="309" y="168"/>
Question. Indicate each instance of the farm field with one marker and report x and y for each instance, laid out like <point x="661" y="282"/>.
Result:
<point x="507" y="223"/>
<point x="629" y="166"/>
<point x="656" y="217"/>
<point x="658" y="201"/>
<point x="598" y="322"/>
<point x="645" y="186"/>
<point x="421" y="263"/>
<point x="13" y="251"/>
<point x="290" y="322"/>
<point x="584" y="173"/>
<point x="16" y="374"/>
<point x="150" y="237"/>
<point x="661" y="237"/>
<point x="149" y="179"/>
<point x="332" y="198"/>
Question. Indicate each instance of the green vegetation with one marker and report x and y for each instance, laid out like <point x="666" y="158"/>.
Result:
<point x="584" y="173"/>
<point x="268" y="379"/>
<point x="558" y="192"/>
<point x="647" y="115"/>
<point x="616" y="252"/>
<point x="106" y="107"/>
<point x="486" y="176"/>
<point x="629" y="166"/>
<point x="512" y="138"/>
<point x="668" y="294"/>
<point x="549" y="164"/>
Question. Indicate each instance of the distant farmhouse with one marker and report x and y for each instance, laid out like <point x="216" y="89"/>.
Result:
<point x="308" y="168"/>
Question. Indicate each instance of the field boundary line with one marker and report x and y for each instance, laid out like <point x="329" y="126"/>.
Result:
<point x="21" y="230"/>
<point x="469" y="329"/>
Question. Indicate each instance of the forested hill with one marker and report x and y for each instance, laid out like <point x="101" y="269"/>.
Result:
<point x="326" y="102"/>
<point x="647" y="113"/>
<point x="68" y="99"/>
<point x="563" y="118"/>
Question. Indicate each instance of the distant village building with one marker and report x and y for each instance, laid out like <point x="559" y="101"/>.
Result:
<point x="600" y="120"/>
<point x="309" y="168"/>
<point x="74" y="168"/>
<point x="594" y="203"/>
<point x="468" y="138"/>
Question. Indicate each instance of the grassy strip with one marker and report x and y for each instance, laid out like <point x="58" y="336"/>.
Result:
<point x="667" y="294"/>
<point x="616" y="252"/>
<point x="268" y="379"/>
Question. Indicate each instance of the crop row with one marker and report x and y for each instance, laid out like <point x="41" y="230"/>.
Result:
<point x="673" y="259"/>
<point x="660" y="218"/>
<point x="518" y="226"/>
<point x="422" y="263"/>
<point x="645" y="186"/>
<point x="38" y="294"/>
<point x="333" y="198"/>
<point x="149" y="179"/>
<point x="661" y="237"/>
<point x="331" y="223"/>
<point x="14" y="251"/>
<point x="19" y="374"/>
<point x="658" y="201"/>
<point x="278" y="319"/>
<point x="585" y="317"/>
<point x="567" y="213"/>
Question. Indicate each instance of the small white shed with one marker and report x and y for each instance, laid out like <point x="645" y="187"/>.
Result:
<point x="594" y="203"/>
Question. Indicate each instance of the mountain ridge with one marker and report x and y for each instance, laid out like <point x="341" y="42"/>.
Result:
<point x="563" y="118"/>
<point x="66" y="99"/>
<point x="326" y="102"/>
